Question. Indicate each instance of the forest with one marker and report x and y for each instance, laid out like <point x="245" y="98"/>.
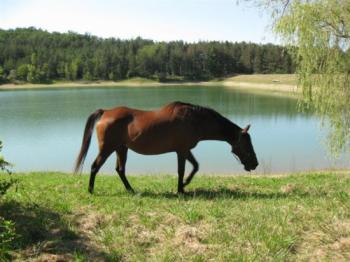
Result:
<point x="38" y="56"/>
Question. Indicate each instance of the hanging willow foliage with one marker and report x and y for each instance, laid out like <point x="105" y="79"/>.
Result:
<point x="318" y="35"/>
<point x="4" y="165"/>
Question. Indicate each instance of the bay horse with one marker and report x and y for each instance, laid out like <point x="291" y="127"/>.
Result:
<point x="176" y="127"/>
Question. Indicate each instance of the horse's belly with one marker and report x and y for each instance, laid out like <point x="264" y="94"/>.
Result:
<point x="160" y="138"/>
<point x="160" y="144"/>
<point x="150" y="148"/>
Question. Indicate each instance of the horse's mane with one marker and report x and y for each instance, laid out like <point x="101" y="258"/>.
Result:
<point x="191" y="110"/>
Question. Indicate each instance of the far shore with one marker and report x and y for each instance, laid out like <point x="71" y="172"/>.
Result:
<point x="276" y="83"/>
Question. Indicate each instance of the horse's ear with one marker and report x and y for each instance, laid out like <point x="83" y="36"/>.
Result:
<point x="245" y="130"/>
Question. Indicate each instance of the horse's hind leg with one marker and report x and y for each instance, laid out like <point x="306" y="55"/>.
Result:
<point x="194" y="162"/>
<point x="122" y="154"/>
<point x="99" y="161"/>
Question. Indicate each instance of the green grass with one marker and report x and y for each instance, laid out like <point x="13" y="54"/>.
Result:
<point x="221" y="218"/>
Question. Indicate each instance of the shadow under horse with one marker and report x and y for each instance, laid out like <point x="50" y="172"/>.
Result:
<point x="176" y="127"/>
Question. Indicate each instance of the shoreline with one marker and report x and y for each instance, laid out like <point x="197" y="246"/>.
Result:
<point x="262" y="86"/>
<point x="95" y="84"/>
<point x="261" y="83"/>
<point x="253" y="174"/>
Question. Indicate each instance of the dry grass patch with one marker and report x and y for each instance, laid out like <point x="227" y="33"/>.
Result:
<point x="88" y="222"/>
<point x="52" y="258"/>
<point x="287" y="189"/>
<point x="171" y="234"/>
<point x="332" y="243"/>
<point x="190" y="238"/>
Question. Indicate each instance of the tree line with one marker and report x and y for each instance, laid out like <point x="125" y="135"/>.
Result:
<point x="37" y="56"/>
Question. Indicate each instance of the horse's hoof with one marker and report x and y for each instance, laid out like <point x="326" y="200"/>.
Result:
<point x="91" y="191"/>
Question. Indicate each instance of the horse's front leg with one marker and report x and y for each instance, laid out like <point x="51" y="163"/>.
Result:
<point x="181" y="159"/>
<point x="194" y="162"/>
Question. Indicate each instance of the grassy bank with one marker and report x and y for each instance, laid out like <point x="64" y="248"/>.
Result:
<point x="295" y="217"/>
<point x="274" y="82"/>
<point x="83" y="84"/>
<point x="284" y="83"/>
<point x="133" y="82"/>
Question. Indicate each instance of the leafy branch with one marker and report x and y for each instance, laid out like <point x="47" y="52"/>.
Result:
<point x="4" y="165"/>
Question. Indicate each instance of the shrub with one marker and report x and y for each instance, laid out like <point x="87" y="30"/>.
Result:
<point x="4" y="165"/>
<point x="7" y="227"/>
<point x="7" y="237"/>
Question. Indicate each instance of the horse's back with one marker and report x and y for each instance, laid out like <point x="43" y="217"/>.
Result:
<point x="168" y="112"/>
<point x="161" y="131"/>
<point x="149" y="132"/>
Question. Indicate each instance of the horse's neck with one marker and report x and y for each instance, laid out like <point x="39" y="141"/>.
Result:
<point x="220" y="129"/>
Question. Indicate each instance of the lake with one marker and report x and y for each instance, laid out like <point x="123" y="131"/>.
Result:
<point x="42" y="129"/>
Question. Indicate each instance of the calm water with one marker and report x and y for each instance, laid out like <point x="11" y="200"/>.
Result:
<point x="42" y="129"/>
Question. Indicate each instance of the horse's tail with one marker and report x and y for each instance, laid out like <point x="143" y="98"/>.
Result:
<point x="89" y="128"/>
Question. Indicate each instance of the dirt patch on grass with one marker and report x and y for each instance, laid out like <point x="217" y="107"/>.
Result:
<point x="89" y="222"/>
<point x="171" y="234"/>
<point x="190" y="238"/>
<point x="52" y="258"/>
<point x="61" y="242"/>
<point x="287" y="189"/>
<point x="151" y="235"/>
<point x="332" y="243"/>
<point x="343" y="245"/>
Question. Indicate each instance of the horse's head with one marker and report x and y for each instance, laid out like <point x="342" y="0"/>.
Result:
<point x="243" y="148"/>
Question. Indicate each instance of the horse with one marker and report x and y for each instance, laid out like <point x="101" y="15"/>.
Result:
<point x="176" y="127"/>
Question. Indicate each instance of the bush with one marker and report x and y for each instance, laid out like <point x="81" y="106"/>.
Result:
<point x="4" y="165"/>
<point x="7" y="237"/>
<point x="7" y="227"/>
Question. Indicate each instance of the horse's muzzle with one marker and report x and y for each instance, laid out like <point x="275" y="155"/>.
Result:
<point x="250" y="168"/>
